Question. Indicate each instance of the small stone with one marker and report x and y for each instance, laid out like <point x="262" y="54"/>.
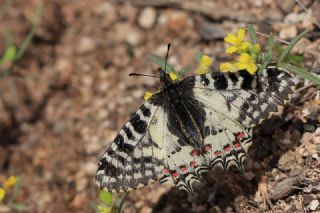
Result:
<point x="210" y="31"/>
<point x="79" y="201"/>
<point x="288" y="32"/>
<point x="146" y="209"/>
<point x="86" y="45"/>
<point x="90" y="168"/>
<point x="176" y="21"/>
<point x="314" y="205"/>
<point x="128" y="33"/>
<point x="133" y="38"/>
<point x="147" y="18"/>
<point x="81" y="184"/>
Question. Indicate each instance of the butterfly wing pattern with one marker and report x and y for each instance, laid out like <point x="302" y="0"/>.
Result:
<point x="190" y="127"/>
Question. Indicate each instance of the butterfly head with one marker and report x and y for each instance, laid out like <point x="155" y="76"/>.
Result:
<point x="164" y="77"/>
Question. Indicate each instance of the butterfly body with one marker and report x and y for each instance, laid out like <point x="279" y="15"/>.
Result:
<point x="191" y="126"/>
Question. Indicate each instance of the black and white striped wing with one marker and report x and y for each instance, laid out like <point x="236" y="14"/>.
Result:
<point x="234" y="103"/>
<point x="134" y="159"/>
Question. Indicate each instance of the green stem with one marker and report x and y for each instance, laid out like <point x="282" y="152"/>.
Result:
<point x="288" y="49"/>
<point x="308" y="75"/>
<point x="26" y="42"/>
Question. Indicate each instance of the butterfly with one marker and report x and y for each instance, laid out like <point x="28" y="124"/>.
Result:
<point x="192" y="126"/>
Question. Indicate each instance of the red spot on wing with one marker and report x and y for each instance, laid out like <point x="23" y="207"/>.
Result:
<point x="193" y="164"/>
<point x="166" y="171"/>
<point x="207" y="147"/>
<point x="236" y="145"/>
<point x="174" y="174"/>
<point x="217" y="153"/>
<point x="183" y="168"/>
<point x="227" y="148"/>
<point x="239" y="136"/>
<point x="195" y="152"/>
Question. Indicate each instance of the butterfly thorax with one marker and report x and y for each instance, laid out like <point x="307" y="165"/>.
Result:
<point x="184" y="121"/>
<point x="165" y="78"/>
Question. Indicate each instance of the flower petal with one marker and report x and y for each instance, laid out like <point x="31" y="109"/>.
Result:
<point x="225" y="67"/>
<point x="242" y="66"/>
<point x="2" y="193"/>
<point x="10" y="182"/>
<point x="147" y="95"/>
<point x="206" y="60"/>
<point x="173" y="76"/>
<point x="241" y="33"/>
<point x="252" y="68"/>
<point x="229" y="67"/>
<point x="231" y="39"/>
<point x="244" y="46"/>
<point x="231" y="49"/>
<point x="244" y="58"/>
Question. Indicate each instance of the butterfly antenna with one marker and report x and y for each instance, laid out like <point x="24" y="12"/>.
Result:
<point x="140" y="74"/>
<point x="167" y="55"/>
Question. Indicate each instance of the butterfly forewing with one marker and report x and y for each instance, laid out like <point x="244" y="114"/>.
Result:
<point x="133" y="158"/>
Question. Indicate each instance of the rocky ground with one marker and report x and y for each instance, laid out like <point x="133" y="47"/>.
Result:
<point x="67" y="97"/>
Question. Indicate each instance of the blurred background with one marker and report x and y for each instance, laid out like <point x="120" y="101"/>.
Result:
<point x="65" y="93"/>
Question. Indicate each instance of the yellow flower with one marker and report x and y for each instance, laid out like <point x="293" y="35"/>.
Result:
<point x="247" y="63"/>
<point x="2" y="193"/>
<point x="10" y="182"/>
<point x="147" y="95"/>
<point x="229" y="67"/>
<point x="237" y="41"/>
<point x="173" y="76"/>
<point x="204" y="65"/>
<point x="255" y="48"/>
<point x="103" y="209"/>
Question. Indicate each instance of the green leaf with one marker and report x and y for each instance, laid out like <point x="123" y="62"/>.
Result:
<point x="8" y="37"/>
<point x="161" y="62"/>
<point x="16" y="188"/>
<point x="289" y="47"/>
<point x="26" y="42"/>
<point x="105" y="197"/>
<point x="184" y="71"/>
<point x="198" y="56"/>
<point x="121" y="202"/>
<point x="9" y="54"/>
<point x="94" y="206"/>
<point x="252" y="34"/>
<point x="290" y="58"/>
<point x="302" y="72"/>
<point x="270" y="44"/>
<point x="268" y="57"/>
<point x="19" y="207"/>
<point x="295" y="58"/>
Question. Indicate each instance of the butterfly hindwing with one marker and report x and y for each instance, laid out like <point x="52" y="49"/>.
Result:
<point x="233" y="104"/>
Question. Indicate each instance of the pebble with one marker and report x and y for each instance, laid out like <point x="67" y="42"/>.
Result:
<point x="314" y="205"/>
<point x="288" y="32"/>
<point x="86" y="45"/>
<point x="133" y="38"/>
<point x="210" y="31"/>
<point x="90" y="168"/>
<point x="147" y="18"/>
<point x="127" y="33"/>
<point x="79" y="201"/>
